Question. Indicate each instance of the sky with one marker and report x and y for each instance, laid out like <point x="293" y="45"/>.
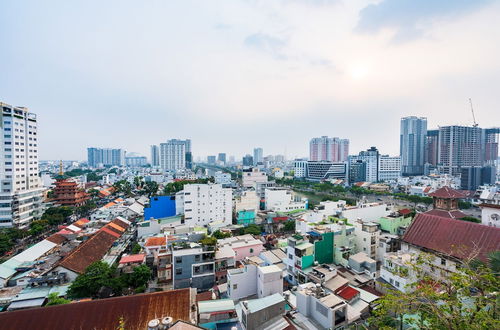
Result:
<point x="232" y="75"/>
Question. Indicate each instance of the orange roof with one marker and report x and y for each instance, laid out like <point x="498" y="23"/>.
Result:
<point x="80" y="223"/>
<point x="119" y="199"/>
<point x="133" y="258"/>
<point x="109" y="205"/>
<point x="155" y="241"/>
<point x="109" y="231"/>
<point x="114" y="225"/>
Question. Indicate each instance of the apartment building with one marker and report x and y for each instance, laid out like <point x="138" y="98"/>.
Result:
<point x="253" y="176"/>
<point x="205" y="203"/>
<point x="328" y="149"/>
<point x="193" y="266"/>
<point x="283" y="200"/>
<point x="20" y="185"/>
<point x="175" y="155"/>
<point x="97" y="157"/>
<point x="389" y="168"/>
<point x="412" y="145"/>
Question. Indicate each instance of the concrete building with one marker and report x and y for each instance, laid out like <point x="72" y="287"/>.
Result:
<point x="205" y="203"/>
<point x="257" y="313"/>
<point x="175" y="155"/>
<point x="282" y="200"/>
<point x="254" y="280"/>
<point x="300" y="168"/>
<point x="221" y="158"/>
<point x="371" y="159"/>
<point x="389" y="168"/>
<point x="252" y="176"/>
<point x="193" y="266"/>
<point x="155" y="156"/>
<point x="212" y="160"/>
<point x="459" y="146"/>
<point x="222" y="178"/>
<point x="136" y="161"/>
<point x="21" y="188"/>
<point x="300" y="257"/>
<point x="324" y="170"/>
<point x="366" y="237"/>
<point x="490" y="215"/>
<point x="471" y="177"/>
<point x="432" y="147"/>
<point x="258" y="156"/>
<point x="247" y="160"/>
<point x="367" y="212"/>
<point x="412" y="145"/>
<point x="491" y="136"/>
<point x="328" y="149"/>
<point x="97" y="157"/>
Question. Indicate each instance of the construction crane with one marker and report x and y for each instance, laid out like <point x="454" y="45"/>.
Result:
<point x="473" y="116"/>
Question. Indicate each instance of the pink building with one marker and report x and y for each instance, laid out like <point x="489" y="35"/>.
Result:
<point x="328" y="149"/>
<point x="243" y="246"/>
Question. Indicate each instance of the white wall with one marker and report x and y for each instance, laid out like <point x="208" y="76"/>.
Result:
<point x="242" y="282"/>
<point x="365" y="212"/>
<point x="269" y="281"/>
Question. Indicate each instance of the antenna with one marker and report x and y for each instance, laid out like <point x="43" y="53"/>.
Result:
<point x="473" y="117"/>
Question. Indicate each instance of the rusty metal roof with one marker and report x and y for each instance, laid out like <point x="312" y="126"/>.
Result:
<point x="103" y="314"/>
<point x="457" y="238"/>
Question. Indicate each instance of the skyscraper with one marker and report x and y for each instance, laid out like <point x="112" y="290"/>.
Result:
<point x="459" y="146"/>
<point x="175" y="155"/>
<point x="248" y="160"/>
<point x="155" y="156"/>
<point x="20" y="190"/>
<point x="258" y="155"/>
<point x="432" y="147"/>
<point x="371" y="159"/>
<point x="491" y="145"/>
<point x="412" y="145"/>
<point x="328" y="149"/>
<point x="105" y="156"/>
<point x="221" y="157"/>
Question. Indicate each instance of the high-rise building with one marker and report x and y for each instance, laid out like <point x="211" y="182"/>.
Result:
<point x="371" y="158"/>
<point x="105" y="157"/>
<point x="136" y="161"/>
<point x="459" y="146"/>
<point x="357" y="171"/>
<point x="471" y="177"/>
<point x="389" y="168"/>
<point x="155" y="156"/>
<point x="412" y="145"/>
<point x="221" y="157"/>
<point x="491" y="145"/>
<point x="258" y="156"/>
<point x="432" y="147"/>
<point x="20" y="185"/>
<point x="175" y="155"/>
<point x="247" y="160"/>
<point x="328" y="149"/>
<point x="211" y="159"/>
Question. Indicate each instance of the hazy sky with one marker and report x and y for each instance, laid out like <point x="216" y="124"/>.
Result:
<point x="235" y="74"/>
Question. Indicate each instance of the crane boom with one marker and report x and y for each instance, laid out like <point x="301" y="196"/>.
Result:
<point x="473" y="116"/>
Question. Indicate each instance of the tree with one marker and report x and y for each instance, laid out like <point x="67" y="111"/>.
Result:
<point x="54" y="299"/>
<point x="140" y="276"/>
<point x="138" y="183"/>
<point x="220" y="235"/>
<point x="252" y="229"/>
<point x="96" y="276"/>
<point x="136" y="248"/>
<point x="290" y="226"/>
<point x="151" y="188"/>
<point x="466" y="299"/>
<point x="209" y="241"/>
<point x="37" y="227"/>
<point x="471" y="219"/>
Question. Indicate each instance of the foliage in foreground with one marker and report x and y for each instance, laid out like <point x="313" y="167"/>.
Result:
<point x="467" y="299"/>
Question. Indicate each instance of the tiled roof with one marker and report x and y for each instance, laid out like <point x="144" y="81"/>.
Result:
<point x="453" y="237"/>
<point x="133" y="258"/>
<point x="56" y="238"/>
<point x="347" y="293"/>
<point x="493" y="206"/>
<point x="447" y="192"/>
<point x="454" y="214"/>
<point x="155" y="241"/>
<point x="104" y="314"/>
<point x="80" y="223"/>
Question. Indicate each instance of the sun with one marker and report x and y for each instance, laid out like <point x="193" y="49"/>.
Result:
<point x="359" y="71"/>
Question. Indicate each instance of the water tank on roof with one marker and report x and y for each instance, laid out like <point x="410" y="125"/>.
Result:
<point x="154" y="324"/>
<point x="166" y="322"/>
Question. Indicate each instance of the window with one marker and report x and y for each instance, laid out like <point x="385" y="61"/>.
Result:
<point x="251" y="250"/>
<point x="397" y="284"/>
<point x="443" y="262"/>
<point x="178" y="271"/>
<point x="235" y="286"/>
<point x="197" y="257"/>
<point x="178" y="260"/>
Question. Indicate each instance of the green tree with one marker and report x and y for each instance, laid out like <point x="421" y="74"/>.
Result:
<point x="252" y="229"/>
<point x="290" y="226"/>
<point x="136" y="248"/>
<point x="88" y="284"/>
<point x="138" y="183"/>
<point x="209" y="241"/>
<point x="220" y="235"/>
<point x="54" y="299"/>
<point x="467" y="299"/>
<point x="140" y="276"/>
<point x="471" y="219"/>
<point x="37" y="227"/>
<point x="151" y="188"/>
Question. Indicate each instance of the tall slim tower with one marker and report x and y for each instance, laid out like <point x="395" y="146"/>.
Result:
<point x="155" y="156"/>
<point x="328" y="149"/>
<point x="258" y="156"/>
<point x="20" y="187"/>
<point x="412" y="145"/>
<point x="175" y="155"/>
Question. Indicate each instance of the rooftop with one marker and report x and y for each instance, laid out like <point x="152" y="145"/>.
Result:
<point x="447" y="192"/>
<point x="104" y="314"/>
<point x="219" y="305"/>
<point x="256" y="305"/>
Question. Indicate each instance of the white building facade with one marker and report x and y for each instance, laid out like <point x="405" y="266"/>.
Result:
<point x="389" y="168"/>
<point x="20" y="185"/>
<point x="205" y="203"/>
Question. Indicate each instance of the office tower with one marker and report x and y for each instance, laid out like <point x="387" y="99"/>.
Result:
<point x="105" y="157"/>
<point x="205" y="203"/>
<point x="412" y="145"/>
<point x="247" y="160"/>
<point x="155" y="156"/>
<point x="389" y="168"/>
<point x="318" y="171"/>
<point x="357" y="171"/>
<point x="300" y="168"/>
<point x="175" y="155"/>
<point x="471" y="177"/>
<point x="21" y="190"/>
<point x="491" y="145"/>
<point x="459" y="146"/>
<point x="221" y="157"/>
<point x="258" y="156"/>
<point x="328" y="149"/>
<point x="371" y="158"/>
<point x="211" y="160"/>
<point x="432" y="147"/>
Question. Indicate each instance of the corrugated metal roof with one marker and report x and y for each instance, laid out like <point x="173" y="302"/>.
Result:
<point x="7" y="269"/>
<point x="103" y="314"/>
<point x="219" y="305"/>
<point x="454" y="237"/>
<point x="255" y="305"/>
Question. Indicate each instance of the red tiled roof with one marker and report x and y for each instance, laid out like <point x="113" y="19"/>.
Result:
<point x="453" y="237"/>
<point x="57" y="238"/>
<point x="404" y="211"/>
<point x="110" y="231"/>
<point x="454" y="214"/>
<point x="133" y="258"/>
<point x="447" y="192"/>
<point x="80" y="223"/>
<point x="155" y="241"/>
<point x="347" y="293"/>
<point x="103" y="314"/>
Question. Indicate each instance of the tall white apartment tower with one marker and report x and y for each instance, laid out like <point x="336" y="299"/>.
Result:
<point x="173" y="154"/>
<point x="20" y="185"/>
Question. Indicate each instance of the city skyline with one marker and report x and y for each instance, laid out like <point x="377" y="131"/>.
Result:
<point x="353" y="71"/>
